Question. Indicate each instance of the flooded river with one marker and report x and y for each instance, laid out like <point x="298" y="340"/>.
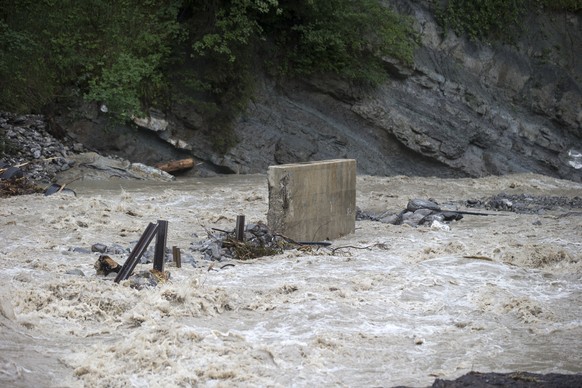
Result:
<point x="396" y="305"/>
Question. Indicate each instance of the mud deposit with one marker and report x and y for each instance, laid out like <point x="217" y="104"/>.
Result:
<point x="396" y="306"/>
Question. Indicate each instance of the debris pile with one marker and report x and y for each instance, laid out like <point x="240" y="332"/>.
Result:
<point x="14" y="182"/>
<point x="29" y="154"/>
<point x="417" y="212"/>
<point x="26" y="142"/>
<point x="106" y="265"/>
<point x="525" y="203"/>
<point x="428" y="212"/>
<point x="258" y="241"/>
<point x="149" y="278"/>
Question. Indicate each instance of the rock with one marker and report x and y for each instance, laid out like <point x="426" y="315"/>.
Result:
<point x="149" y="278"/>
<point x="156" y="124"/>
<point x="396" y="68"/>
<point x="294" y="150"/>
<point x="116" y="249"/>
<point x="28" y="144"/>
<point x="147" y="257"/>
<point x="394" y="219"/>
<point x="44" y="158"/>
<point x="124" y="141"/>
<point x="453" y="215"/>
<point x="512" y="379"/>
<point x="416" y="204"/>
<point x="105" y="265"/>
<point x="102" y="248"/>
<point x="575" y="158"/>
<point x="432" y="218"/>
<point x="418" y="212"/>
<point x="141" y="171"/>
<point x="91" y="165"/>
<point x="415" y="218"/>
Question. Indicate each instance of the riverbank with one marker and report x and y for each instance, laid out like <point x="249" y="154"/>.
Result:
<point x="32" y="159"/>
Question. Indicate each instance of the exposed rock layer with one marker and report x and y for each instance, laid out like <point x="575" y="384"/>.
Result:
<point x="466" y="108"/>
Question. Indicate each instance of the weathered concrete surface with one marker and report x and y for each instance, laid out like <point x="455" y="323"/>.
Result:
<point x="313" y="201"/>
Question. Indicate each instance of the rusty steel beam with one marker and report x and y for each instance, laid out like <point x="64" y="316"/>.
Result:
<point x="177" y="256"/>
<point x="160" y="249"/>
<point x="139" y="249"/>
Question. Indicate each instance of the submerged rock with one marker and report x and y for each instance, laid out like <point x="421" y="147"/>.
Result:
<point x="513" y="379"/>
<point x="99" y="248"/>
<point x="417" y="204"/>
<point x="525" y="203"/>
<point x="417" y="212"/>
<point x="151" y="278"/>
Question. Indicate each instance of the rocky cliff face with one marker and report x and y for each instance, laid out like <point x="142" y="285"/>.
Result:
<point x="490" y="109"/>
<point x="466" y="109"/>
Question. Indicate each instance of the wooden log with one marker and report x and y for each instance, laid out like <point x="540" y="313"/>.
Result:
<point x="176" y="165"/>
<point x="177" y="256"/>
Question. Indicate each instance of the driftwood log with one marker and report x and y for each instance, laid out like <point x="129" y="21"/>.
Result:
<point x="176" y="165"/>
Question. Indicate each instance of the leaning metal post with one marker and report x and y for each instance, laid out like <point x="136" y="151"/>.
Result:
<point x="137" y="252"/>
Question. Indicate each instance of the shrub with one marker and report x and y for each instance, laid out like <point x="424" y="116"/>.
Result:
<point x="115" y="51"/>
<point x="346" y="38"/>
<point x="496" y="19"/>
<point x="132" y="54"/>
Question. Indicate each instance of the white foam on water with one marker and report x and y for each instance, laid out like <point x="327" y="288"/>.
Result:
<point x="490" y="294"/>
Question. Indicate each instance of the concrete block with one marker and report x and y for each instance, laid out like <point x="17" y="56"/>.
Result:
<point x="313" y="201"/>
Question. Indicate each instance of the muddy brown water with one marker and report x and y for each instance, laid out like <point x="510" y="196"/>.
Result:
<point x="497" y="293"/>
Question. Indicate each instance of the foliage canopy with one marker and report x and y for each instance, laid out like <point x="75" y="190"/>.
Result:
<point x="496" y="19"/>
<point x="132" y="54"/>
<point x="104" y="50"/>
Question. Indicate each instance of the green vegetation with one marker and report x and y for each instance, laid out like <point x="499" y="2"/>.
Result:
<point x="132" y="54"/>
<point x="347" y="38"/>
<point x="232" y="41"/>
<point x="496" y="19"/>
<point x="104" y="50"/>
<point x="562" y="5"/>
